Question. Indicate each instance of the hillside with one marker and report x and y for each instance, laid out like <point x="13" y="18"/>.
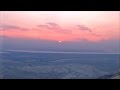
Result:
<point x="112" y="76"/>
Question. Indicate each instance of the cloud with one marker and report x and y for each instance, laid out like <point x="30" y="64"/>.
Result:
<point x="84" y="28"/>
<point x="55" y="27"/>
<point x="43" y="26"/>
<point x="11" y="27"/>
<point x="53" y="24"/>
<point x="49" y="25"/>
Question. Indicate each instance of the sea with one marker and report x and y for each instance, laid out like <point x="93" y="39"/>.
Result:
<point x="20" y="64"/>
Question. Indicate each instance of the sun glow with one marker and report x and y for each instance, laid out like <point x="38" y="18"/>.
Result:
<point x="61" y="26"/>
<point x="59" y="41"/>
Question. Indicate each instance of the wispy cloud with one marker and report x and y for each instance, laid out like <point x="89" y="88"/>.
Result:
<point x="43" y="26"/>
<point x="84" y="28"/>
<point x="55" y="27"/>
<point x="49" y="25"/>
<point x="11" y="27"/>
<point x="53" y="24"/>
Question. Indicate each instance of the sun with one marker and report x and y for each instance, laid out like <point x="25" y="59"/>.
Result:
<point x="59" y="41"/>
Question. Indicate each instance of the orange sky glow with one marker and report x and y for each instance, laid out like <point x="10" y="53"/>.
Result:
<point x="61" y="25"/>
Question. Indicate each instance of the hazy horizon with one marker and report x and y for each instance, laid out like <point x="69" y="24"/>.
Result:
<point x="85" y="31"/>
<point x="59" y="44"/>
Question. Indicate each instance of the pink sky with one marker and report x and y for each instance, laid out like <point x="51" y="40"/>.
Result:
<point x="61" y="25"/>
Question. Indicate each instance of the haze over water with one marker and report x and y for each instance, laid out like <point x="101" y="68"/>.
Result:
<point x="59" y="44"/>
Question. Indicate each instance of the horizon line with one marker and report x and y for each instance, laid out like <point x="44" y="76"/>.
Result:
<point x="66" y="52"/>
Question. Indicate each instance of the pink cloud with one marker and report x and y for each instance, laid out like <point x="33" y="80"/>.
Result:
<point x="66" y="26"/>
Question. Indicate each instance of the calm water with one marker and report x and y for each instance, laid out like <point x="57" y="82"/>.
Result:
<point x="57" y="65"/>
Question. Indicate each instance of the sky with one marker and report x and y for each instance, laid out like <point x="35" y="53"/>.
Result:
<point x="51" y="30"/>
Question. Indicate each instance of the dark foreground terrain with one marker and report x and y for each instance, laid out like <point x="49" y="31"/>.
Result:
<point x="28" y="65"/>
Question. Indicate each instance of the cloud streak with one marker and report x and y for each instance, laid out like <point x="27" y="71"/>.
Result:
<point x="11" y="27"/>
<point x="43" y="26"/>
<point x="84" y="28"/>
<point x="55" y="27"/>
<point x="53" y="24"/>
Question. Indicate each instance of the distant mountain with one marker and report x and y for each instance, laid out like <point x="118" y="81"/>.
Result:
<point x="111" y="76"/>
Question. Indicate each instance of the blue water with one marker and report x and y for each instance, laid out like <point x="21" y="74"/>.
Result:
<point x="22" y="65"/>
